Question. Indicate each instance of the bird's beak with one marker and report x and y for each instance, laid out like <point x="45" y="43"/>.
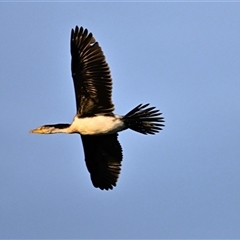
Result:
<point x="37" y="130"/>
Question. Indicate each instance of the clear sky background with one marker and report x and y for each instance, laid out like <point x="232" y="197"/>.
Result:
<point x="183" y="58"/>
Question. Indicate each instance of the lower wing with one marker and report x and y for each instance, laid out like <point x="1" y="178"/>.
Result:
<point x="103" y="156"/>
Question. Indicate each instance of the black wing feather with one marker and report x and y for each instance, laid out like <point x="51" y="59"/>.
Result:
<point x="103" y="156"/>
<point x="91" y="75"/>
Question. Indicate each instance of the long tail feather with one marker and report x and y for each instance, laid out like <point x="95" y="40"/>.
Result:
<point x="144" y="119"/>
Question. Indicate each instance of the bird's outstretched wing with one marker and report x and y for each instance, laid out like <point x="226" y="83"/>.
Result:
<point x="91" y="75"/>
<point x="103" y="156"/>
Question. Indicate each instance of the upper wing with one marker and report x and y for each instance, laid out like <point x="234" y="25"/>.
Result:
<point x="103" y="156"/>
<point x="91" y="75"/>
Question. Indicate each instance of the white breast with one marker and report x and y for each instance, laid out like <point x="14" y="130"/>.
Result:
<point x="97" y="125"/>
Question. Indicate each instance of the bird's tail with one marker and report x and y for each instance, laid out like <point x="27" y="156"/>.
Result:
<point x="144" y="119"/>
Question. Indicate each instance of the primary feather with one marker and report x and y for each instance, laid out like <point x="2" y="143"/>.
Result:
<point x="91" y="75"/>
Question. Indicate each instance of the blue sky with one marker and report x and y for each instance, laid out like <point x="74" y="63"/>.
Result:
<point x="182" y="183"/>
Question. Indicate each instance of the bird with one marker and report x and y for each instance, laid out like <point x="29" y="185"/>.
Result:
<point x="95" y="121"/>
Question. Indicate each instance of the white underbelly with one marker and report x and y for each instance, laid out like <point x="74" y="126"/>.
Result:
<point x="97" y="125"/>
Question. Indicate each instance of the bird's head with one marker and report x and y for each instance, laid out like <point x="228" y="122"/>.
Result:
<point x="50" y="129"/>
<point x="45" y="129"/>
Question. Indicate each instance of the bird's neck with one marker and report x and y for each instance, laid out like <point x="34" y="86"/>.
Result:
<point x="61" y="128"/>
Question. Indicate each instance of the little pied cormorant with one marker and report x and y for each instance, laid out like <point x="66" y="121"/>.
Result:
<point x="95" y="121"/>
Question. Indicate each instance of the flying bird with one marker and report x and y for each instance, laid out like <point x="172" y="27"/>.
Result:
<point x="95" y="121"/>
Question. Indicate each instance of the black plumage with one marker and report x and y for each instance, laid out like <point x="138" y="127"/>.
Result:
<point x="103" y="155"/>
<point x="93" y="91"/>
<point x="91" y="75"/>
